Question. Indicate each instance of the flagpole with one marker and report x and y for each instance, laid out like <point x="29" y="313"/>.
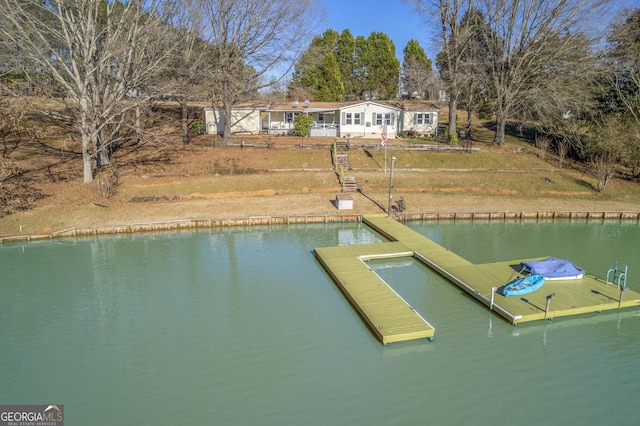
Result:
<point x="384" y="143"/>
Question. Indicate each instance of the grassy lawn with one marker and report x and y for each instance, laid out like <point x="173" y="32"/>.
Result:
<point x="167" y="181"/>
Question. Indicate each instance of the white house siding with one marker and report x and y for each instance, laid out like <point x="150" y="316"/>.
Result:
<point x="245" y="121"/>
<point x="401" y="116"/>
<point x="368" y="127"/>
<point x="411" y="121"/>
<point x="213" y="120"/>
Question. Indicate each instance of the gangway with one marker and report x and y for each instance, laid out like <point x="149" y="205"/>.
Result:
<point x="618" y="275"/>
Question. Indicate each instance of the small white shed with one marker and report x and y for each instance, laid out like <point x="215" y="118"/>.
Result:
<point x="344" y="201"/>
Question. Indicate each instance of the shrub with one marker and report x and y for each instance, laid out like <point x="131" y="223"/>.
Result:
<point x="452" y="138"/>
<point x="198" y="128"/>
<point x="302" y="125"/>
<point x="16" y="194"/>
<point x="408" y="134"/>
<point x="108" y="183"/>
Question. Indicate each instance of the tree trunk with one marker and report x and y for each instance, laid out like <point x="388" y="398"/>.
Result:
<point x="227" y="123"/>
<point x="138" y="125"/>
<point x="103" y="152"/>
<point x="86" y="160"/>
<point x="85" y="134"/>
<point x="501" y="125"/>
<point x="453" y="105"/>
<point x="185" y="121"/>
<point x="470" y="108"/>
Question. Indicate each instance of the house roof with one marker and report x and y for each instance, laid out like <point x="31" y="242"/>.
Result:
<point x="313" y="106"/>
<point x="291" y="106"/>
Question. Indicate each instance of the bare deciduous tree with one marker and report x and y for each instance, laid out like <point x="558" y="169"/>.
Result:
<point x="474" y="66"/>
<point x="101" y="54"/>
<point x="539" y="48"/>
<point x="454" y="39"/>
<point x="416" y="79"/>
<point x="188" y="76"/>
<point x="602" y="147"/>
<point x="13" y="124"/>
<point x="623" y="59"/>
<point x="542" y="144"/>
<point x="266" y="35"/>
<point x="562" y="148"/>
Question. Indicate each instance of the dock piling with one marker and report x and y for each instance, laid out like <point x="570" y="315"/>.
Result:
<point x="493" y="295"/>
<point x="622" y="289"/>
<point x="546" y="311"/>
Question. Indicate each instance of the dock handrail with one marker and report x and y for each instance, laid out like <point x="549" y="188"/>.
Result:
<point x="618" y="273"/>
<point x="334" y="155"/>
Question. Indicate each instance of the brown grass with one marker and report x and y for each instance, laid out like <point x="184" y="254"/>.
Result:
<point x="204" y="180"/>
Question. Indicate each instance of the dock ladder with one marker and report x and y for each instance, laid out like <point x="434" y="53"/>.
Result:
<point x="618" y="275"/>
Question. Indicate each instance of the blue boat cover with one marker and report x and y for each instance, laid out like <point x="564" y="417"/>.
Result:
<point x="553" y="268"/>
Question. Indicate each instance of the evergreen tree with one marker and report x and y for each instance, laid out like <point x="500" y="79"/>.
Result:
<point x="309" y="77"/>
<point x="331" y="87"/>
<point x="337" y="66"/>
<point x="383" y="69"/>
<point x="346" y="62"/>
<point x="360" y="67"/>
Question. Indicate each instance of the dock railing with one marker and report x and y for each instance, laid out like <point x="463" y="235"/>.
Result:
<point x="618" y="275"/>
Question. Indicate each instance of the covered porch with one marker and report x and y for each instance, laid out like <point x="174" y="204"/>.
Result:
<point x="278" y="122"/>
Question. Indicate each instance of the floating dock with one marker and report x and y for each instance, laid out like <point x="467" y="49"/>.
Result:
<point x="389" y="317"/>
<point x="392" y="319"/>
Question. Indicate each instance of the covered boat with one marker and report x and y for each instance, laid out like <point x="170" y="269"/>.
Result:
<point x="554" y="269"/>
<point x="523" y="285"/>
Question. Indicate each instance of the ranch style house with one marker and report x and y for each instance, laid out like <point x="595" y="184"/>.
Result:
<point x="352" y="119"/>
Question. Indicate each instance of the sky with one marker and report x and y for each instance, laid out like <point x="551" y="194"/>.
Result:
<point x="393" y="17"/>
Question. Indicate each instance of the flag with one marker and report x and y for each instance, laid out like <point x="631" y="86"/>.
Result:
<point x="383" y="139"/>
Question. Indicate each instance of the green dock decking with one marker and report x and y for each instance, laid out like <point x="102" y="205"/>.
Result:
<point x="392" y="319"/>
<point x="388" y="316"/>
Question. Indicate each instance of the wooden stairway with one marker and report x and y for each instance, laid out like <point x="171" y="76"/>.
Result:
<point x="342" y="160"/>
<point x="340" y="157"/>
<point x="349" y="184"/>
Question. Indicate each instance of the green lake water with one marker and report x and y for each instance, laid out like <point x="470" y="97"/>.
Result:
<point x="244" y="327"/>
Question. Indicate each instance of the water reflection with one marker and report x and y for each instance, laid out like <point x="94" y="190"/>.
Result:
<point x="243" y="326"/>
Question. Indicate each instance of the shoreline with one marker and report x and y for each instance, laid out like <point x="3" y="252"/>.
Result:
<point x="195" y="224"/>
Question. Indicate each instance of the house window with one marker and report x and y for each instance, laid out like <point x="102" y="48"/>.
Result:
<point x="348" y="118"/>
<point x="386" y="118"/>
<point x="289" y="117"/>
<point x="356" y="118"/>
<point x="320" y="118"/>
<point x="422" y="118"/>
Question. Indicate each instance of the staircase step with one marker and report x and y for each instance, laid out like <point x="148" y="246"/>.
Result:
<point x="349" y="184"/>
<point x="341" y="146"/>
<point x="342" y="161"/>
